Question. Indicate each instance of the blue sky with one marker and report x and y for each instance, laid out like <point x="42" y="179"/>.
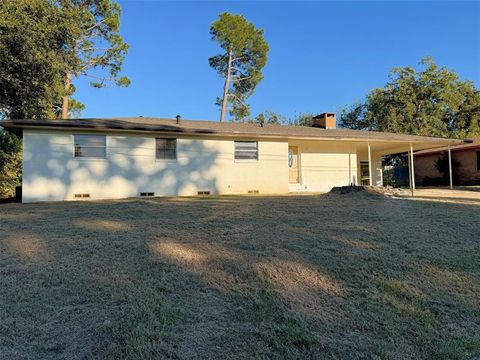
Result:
<point x="323" y="55"/>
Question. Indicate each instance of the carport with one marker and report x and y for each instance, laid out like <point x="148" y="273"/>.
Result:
<point x="410" y="147"/>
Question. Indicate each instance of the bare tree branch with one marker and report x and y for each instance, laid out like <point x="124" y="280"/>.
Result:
<point x="242" y="78"/>
<point x="87" y="35"/>
<point x="238" y="99"/>
<point x="94" y="25"/>
<point x="97" y="77"/>
<point x="88" y="64"/>
<point x="96" y="48"/>
<point x="237" y="69"/>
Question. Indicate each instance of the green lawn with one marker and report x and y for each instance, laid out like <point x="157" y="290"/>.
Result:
<point x="333" y="276"/>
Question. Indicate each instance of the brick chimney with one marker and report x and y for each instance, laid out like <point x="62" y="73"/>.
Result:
<point x="325" y="121"/>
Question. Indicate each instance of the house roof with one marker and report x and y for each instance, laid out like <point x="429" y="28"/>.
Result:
<point x="196" y="127"/>
<point x="475" y="144"/>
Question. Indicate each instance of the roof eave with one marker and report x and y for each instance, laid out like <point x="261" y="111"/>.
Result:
<point x="176" y="130"/>
<point x="201" y="132"/>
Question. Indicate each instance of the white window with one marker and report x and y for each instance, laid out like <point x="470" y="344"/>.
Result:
<point x="90" y="146"/>
<point x="246" y="150"/>
<point x="166" y="149"/>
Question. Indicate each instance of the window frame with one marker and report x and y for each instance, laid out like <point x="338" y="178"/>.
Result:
<point x="257" y="157"/>
<point x="166" y="159"/>
<point x="90" y="158"/>
<point x="477" y="152"/>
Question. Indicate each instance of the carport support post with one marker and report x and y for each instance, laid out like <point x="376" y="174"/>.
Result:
<point x="412" y="171"/>
<point x="369" y="165"/>
<point x="450" y="166"/>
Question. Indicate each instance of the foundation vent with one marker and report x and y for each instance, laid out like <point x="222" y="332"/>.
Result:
<point x="81" y="196"/>
<point x="146" y="194"/>
<point x="253" y="192"/>
<point x="203" y="192"/>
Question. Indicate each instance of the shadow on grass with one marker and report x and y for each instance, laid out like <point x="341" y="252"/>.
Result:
<point x="273" y="277"/>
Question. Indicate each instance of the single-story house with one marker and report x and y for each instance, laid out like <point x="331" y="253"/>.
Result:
<point x="466" y="168"/>
<point x="128" y="157"/>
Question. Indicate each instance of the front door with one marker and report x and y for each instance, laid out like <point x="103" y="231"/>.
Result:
<point x="293" y="167"/>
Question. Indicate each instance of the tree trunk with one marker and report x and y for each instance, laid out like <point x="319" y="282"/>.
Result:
<point x="65" y="97"/>
<point x="226" y="87"/>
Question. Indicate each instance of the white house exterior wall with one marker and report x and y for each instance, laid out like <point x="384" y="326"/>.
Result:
<point x="325" y="164"/>
<point x="52" y="173"/>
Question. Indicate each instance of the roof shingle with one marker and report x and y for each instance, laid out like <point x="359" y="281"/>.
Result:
<point x="196" y="127"/>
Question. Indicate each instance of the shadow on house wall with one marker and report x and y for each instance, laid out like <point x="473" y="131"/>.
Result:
<point x="131" y="167"/>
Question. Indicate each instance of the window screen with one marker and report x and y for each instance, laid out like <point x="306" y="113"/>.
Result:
<point x="166" y="149"/>
<point x="90" y="146"/>
<point x="246" y="150"/>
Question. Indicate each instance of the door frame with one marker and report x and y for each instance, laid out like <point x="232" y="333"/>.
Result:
<point x="299" y="165"/>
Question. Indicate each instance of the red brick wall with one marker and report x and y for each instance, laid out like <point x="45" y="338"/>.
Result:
<point x="467" y="170"/>
<point x="425" y="167"/>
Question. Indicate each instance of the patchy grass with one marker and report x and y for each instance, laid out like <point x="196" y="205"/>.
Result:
<point x="149" y="328"/>
<point x="334" y="276"/>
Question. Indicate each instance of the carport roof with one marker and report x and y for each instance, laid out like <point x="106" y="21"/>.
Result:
<point x="475" y="144"/>
<point x="213" y="128"/>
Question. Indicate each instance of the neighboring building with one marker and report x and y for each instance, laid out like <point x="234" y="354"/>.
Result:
<point x="467" y="172"/>
<point x="129" y="157"/>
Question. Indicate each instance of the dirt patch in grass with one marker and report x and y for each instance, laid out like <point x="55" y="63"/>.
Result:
<point x="336" y="276"/>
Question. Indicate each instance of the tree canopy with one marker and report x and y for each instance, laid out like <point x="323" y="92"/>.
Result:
<point x="46" y="44"/>
<point x="432" y="102"/>
<point x="31" y="62"/>
<point x="93" y="44"/>
<point x="270" y="117"/>
<point x="241" y="62"/>
<point x="302" y="119"/>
